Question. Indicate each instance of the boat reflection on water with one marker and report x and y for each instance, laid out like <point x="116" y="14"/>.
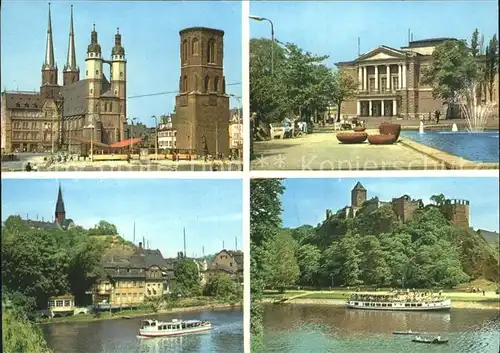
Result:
<point x="389" y="321"/>
<point x="161" y="344"/>
<point x="182" y="343"/>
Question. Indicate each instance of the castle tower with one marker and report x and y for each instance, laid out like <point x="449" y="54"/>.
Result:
<point x="358" y="195"/>
<point x="458" y="212"/>
<point x="60" y="211"/>
<point x="93" y="74"/>
<point x="202" y="105"/>
<point x="49" y="67"/>
<point x="71" y="71"/>
<point x="119" y="80"/>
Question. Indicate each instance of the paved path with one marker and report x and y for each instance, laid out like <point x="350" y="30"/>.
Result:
<point x="135" y="166"/>
<point x="322" y="151"/>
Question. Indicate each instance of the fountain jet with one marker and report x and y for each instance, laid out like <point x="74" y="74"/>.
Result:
<point x="475" y="114"/>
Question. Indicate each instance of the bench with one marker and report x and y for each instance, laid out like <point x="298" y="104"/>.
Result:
<point x="276" y="130"/>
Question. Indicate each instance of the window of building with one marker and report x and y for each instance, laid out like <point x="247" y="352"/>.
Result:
<point x="59" y="303"/>
<point x="371" y="83"/>
<point x="67" y="303"/>
<point x="97" y="72"/>
<point x="121" y="74"/>
<point x="211" y="51"/>
<point x="395" y="83"/>
<point x="91" y="91"/>
<point x="86" y="72"/>
<point x="195" y="50"/>
<point x="184" y="51"/>
<point x="383" y="84"/>
<point x="207" y="84"/>
<point x="216" y="84"/>
<point x="185" y="84"/>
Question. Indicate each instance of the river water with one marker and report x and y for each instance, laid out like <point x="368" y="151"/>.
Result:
<point x="324" y="328"/>
<point x="120" y="335"/>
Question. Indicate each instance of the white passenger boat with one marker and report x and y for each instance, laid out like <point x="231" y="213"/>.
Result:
<point x="394" y="302"/>
<point x="155" y="328"/>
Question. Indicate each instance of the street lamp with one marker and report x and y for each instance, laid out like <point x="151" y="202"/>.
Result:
<point x="156" y="139"/>
<point x="260" y="19"/>
<point x="132" y="129"/>
<point x="91" y="126"/>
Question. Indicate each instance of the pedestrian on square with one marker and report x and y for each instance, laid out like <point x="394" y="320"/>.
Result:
<point x="437" y="114"/>
<point x="28" y="167"/>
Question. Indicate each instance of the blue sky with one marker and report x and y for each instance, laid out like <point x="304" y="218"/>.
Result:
<point x="333" y="27"/>
<point x="211" y="210"/>
<point x="305" y="200"/>
<point x="150" y="36"/>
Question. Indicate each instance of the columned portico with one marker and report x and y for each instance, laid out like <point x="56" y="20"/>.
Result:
<point x="376" y="107"/>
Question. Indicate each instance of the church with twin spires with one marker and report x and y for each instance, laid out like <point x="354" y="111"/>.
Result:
<point x="69" y="115"/>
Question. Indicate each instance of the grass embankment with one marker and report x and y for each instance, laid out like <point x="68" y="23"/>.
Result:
<point x="191" y="304"/>
<point x="460" y="296"/>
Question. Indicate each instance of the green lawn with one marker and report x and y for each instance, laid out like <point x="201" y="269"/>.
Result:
<point x="277" y="294"/>
<point x="453" y="296"/>
<point x="332" y="295"/>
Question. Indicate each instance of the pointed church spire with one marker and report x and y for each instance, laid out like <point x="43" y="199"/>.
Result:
<point x="71" y="72"/>
<point x="71" y="60"/>
<point x="60" y="211"/>
<point x="49" y="48"/>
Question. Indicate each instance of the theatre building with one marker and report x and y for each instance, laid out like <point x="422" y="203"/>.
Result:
<point x="390" y="82"/>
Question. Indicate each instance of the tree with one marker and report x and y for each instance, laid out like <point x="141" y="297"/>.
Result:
<point x="342" y="260"/>
<point x="223" y="288"/>
<point x="475" y="44"/>
<point x="265" y="221"/>
<point x="281" y="268"/>
<point x="308" y="258"/>
<point x="187" y="277"/>
<point x="344" y="87"/>
<point x="438" y="200"/>
<point x="452" y="71"/>
<point x="301" y="83"/>
<point x="491" y="70"/>
<point x="266" y="97"/>
<point x="19" y="335"/>
<point x="39" y="263"/>
<point x="103" y="228"/>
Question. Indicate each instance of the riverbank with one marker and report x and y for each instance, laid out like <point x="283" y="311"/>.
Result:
<point x="128" y="314"/>
<point x="490" y="300"/>
<point x="341" y="302"/>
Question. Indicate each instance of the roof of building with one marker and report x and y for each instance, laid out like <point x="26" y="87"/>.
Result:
<point x="358" y="186"/>
<point x="221" y="32"/>
<point x="60" y="202"/>
<point x="125" y="143"/>
<point x="143" y="258"/>
<point x="429" y="42"/>
<point x="25" y="100"/>
<point x="66" y="224"/>
<point x="237" y="256"/>
<point x="75" y="96"/>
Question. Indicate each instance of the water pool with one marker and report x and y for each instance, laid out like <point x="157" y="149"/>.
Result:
<point x="476" y="146"/>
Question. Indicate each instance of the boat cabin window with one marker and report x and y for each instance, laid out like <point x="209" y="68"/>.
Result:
<point x="419" y="304"/>
<point x="355" y="303"/>
<point x="407" y="305"/>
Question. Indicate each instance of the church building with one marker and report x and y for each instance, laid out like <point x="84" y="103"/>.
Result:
<point x="66" y="117"/>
